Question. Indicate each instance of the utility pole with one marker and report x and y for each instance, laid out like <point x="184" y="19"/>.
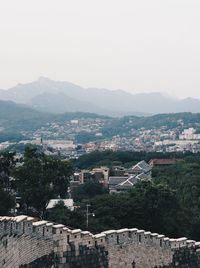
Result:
<point x="87" y="215"/>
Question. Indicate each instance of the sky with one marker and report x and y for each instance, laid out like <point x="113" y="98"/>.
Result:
<point x="135" y="45"/>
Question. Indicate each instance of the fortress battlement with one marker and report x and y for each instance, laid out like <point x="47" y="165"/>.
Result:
<point x="24" y="240"/>
<point x="24" y="225"/>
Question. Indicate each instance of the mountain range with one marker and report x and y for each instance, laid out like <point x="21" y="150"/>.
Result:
<point x="57" y="97"/>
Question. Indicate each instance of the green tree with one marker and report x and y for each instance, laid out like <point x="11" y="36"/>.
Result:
<point x="6" y="202"/>
<point x="7" y="163"/>
<point x="89" y="190"/>
<point x="41" y="178"/>
<point x="160" y="208"/>
<point x="146" y="206"/>
<point x="61" y="214"/>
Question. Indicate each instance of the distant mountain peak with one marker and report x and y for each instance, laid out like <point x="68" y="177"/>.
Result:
<point x="53" y="95"/>
<point x="43" y="78"/>
<point x="44" y="81"/>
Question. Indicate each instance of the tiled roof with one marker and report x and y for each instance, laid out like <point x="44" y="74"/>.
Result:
<point x="163" y="161"/>
<point x="143" y="166"/>
<point x="117" y="180"/>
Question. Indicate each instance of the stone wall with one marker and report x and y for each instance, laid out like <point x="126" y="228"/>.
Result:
<point x="137" y="248"/>
<point x="25" y="243"/>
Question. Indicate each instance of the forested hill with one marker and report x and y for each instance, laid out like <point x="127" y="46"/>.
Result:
<point x="169" y="120"/>
<point x="121" y="126"/>
<point x="11" y="111"/>
<point x="124" y="158"/>
<point x="16" y="118"/>
<point x="21" y="117"/>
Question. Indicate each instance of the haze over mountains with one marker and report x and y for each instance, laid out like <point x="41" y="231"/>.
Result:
<point x="51" y="96"/>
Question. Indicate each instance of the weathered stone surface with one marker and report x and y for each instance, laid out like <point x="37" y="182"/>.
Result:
<point x="28" y="244"/>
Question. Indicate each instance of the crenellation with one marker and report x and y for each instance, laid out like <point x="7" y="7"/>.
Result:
<point x="111" y="237"/>
<point x="197" y="245"/>
<point x="154" y="237"/>
<point x="122" y="236"/>
<point x="28" y="226"/>
<point x="140" y="236"/>
<point x="76" y="234"/>
<point x="99" y="239"/>
<point x="48" y="230"/>
<point x="160" y="241"/>
<point x="133" y="234"/>
<point x="166" y="242"/>
<point x="178" y="243"/>
<point x="182" y="242"/>
<point x="24" y="240"/>
<point x="21" y="224"/>
<point x="147" y="238"/>
<point x="3" y="226"/>
<point x="173" y="243"/>
<point x="58" y="232"/>
<point x="87" y="239"/>
<point x="38" y="228"/>
<point x="75" y="239"/>
<point x="190" y="243"/>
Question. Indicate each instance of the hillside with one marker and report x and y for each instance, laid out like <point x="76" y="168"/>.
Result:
<point x="17" y="118"/>
<point x="21" y="117"/>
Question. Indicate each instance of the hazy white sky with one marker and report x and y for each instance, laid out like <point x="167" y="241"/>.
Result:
<point x="136" y="45"/>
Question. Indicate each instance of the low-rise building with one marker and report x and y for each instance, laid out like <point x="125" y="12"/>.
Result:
<point x="140" y="171"/>
<point x="69" y="203"/>
<point x="162" y="162"/>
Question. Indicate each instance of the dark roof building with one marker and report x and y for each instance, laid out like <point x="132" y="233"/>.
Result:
<point x="140" y="167"/>
<point x="141" y="171"/>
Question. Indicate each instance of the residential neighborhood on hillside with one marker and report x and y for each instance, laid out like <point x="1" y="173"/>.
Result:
<point x="74" y="138"/>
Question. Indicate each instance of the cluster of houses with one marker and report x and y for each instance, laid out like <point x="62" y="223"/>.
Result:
<point x="122" y="179"/>
<point x="117" y="178"/>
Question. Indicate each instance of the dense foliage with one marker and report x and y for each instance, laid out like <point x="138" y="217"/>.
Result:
<point x="7" y="162"/>
<point x="146" y="206"/>
<point x="110" y="158"/>
<point x="7" y="202"/>
<point x="41" y="178"/>
<point x="170" y="204"/>
<point x="61" y="214"/>
<point x="184" y="178"/>
<point x="89" y="190"/>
